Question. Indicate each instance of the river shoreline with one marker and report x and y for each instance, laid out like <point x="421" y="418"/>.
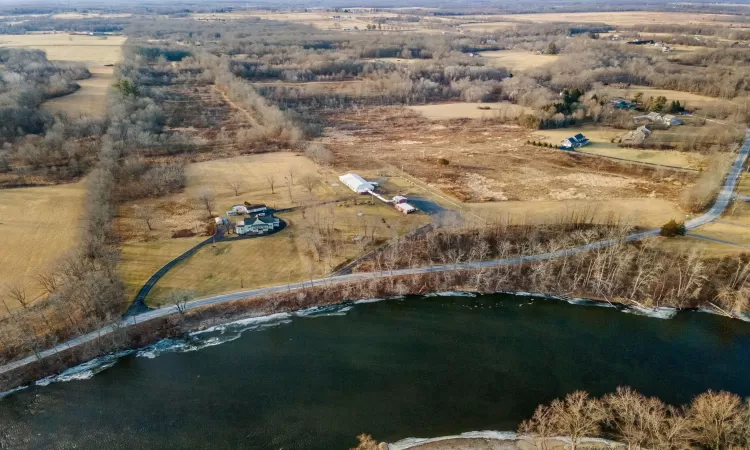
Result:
<point x="494" y="440"/>
<point x="417" y="366"/>
<point x="192" y="323"/>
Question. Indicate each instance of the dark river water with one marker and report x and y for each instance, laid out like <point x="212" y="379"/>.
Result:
<point x="420" y="367"/>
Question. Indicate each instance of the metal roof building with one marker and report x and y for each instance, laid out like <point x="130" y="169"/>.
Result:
<point x="357" y="183"/>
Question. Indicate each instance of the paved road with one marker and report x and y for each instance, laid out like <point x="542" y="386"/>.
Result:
<point x="722" y="201"/>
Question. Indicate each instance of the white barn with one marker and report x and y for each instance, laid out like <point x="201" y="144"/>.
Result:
<point x="357" y="183"/>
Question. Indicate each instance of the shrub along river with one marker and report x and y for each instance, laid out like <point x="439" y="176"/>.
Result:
<point x="425" y="366"/>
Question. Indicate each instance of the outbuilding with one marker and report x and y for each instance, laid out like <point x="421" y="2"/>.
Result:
<point x="357" y="183"/>
<point x="405" y="208"/>
<point x="254" y="209"/>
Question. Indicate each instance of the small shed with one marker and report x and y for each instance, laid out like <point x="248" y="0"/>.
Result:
<point x="399" y="199"/>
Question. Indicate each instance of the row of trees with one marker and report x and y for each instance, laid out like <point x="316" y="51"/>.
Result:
<point x="639" y="274"/>
<point x="713" y="420"/>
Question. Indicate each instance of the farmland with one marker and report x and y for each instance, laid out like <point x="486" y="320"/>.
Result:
<point x="618" y="19"/>
<point x="38" y="227"/>
<point x="227" y="264"/>
<point x="486" y="162"/>
<point x="602" y="144"/>
<point x="90" y="50"/>
<point x="687" y="99"/>
<point x="98" y="53"/>
<point x="90" y="99"/>
<point x="463" y="110"/>
<point x="518" y="59"/>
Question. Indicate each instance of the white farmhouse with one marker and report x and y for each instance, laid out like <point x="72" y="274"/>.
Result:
<point x="357" y="183"/>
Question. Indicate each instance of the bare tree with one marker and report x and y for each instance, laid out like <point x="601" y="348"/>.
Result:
<point x="235" y="186"/>
<point x="309" y="182"/>
<point x="146" y="214"/>
<point x="207" y="198"/>
<point x="716" y="419"/>
<point x="290" y="174"/>
<point x="539" y="427"/>
<point x="48" y="280"/>
<point x="179" y="300"/>
<point x="18" y="293"/>
<point x="271" y="182"/>
<point x="631" y="415"/>
<point x="576" y="416"/>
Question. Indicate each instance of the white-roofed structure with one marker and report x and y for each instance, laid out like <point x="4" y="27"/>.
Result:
<point x="405" y="208"/>
<point x="357" y="183"/>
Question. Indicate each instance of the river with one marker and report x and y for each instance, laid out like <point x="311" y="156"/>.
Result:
<point x="425" y="367"/>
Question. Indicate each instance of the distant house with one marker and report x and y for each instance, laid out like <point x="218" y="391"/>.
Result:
<point x="637" y="136"/>
<point x="621" y="103"/>
<point x="642" y="42"/>
<point x="671" y="119"/>
<point x="257" y="225"/>
<point x="576" y="141"/>
<point x="666" y="119"/>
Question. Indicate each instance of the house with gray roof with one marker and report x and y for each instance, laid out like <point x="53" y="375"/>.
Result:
<point x="666" y="119"/>
<point x="257" y="225"/>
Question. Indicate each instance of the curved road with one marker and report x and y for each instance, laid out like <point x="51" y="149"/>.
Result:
<point x="721" y="203"/>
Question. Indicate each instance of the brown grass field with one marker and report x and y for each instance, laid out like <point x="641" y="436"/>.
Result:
<point x="517" y="59"/>
<point x="601" y="144"/>
<point x="487" y="27"/>
<point x="687" y="99"/>
<point x="322" y="19"/>
<point x="486" y="162"/>
<point x="90" y="50"/>
<point x="625" y="18"/>
<point x="37" y="226"/>
<point x="97" y="53"/>
<point x="463" y="110"/>
<point x="90" y="100"/>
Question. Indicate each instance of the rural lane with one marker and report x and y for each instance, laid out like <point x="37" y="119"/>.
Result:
<point x="721" y="203"/>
